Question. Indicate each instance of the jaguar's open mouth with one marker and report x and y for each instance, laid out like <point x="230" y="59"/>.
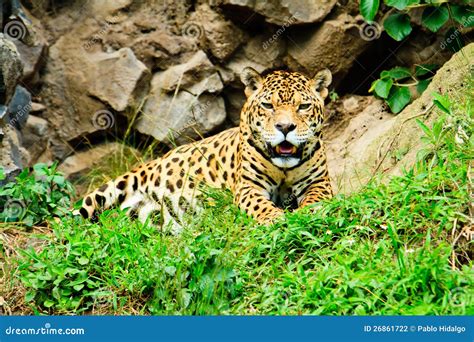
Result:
<point x="285" y="149"/>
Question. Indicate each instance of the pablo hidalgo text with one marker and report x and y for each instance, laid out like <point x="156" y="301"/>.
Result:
<point x="442" y="328"/>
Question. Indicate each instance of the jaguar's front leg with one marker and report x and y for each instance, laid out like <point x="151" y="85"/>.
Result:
<point x="316" y="192"/>
<point x="254" y="201"/>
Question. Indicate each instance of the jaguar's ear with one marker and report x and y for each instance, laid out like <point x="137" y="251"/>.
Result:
<point x="321" y="81"/>
<point x="252" y="80"/>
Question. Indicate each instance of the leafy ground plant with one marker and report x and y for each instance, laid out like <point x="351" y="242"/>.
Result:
<point x="436" y="14"/>
<point x="37" y="194"/>
<point x="394" y="85"/>
<point x="401" y="247"/>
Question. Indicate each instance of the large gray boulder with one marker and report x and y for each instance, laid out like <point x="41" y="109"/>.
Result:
<point x="11" y="69"/>
<point x="214" y="31"/>
<point x="285" y="12"/>
<point x="184" y="102"/>
<point x="334" y="45"/>
<point x="119" y="79"/>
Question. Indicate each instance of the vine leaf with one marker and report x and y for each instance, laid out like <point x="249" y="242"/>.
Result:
<point x="435" y="17"/>
<point x="369" y="8"/>
<point x="398" y="98"/>
<point x="382" y="87"/>
<point x="464" y="15"/>
<point x="401" y="4"/>
<point x="422" y="85"/>
<point x="397" y="26"/>
<point x="397" y="73"/>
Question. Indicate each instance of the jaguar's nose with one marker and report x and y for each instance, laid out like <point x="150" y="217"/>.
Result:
<point x="284" y="127"/>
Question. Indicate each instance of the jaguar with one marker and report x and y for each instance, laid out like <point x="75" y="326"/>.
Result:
<point x="275" y="160"/>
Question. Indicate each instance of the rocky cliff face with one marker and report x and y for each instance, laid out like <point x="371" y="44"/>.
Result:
<point x="76" y="74"/>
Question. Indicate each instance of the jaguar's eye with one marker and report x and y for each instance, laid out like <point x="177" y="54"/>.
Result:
<point x="304" y="106"/>
<point x="267" y="105"/>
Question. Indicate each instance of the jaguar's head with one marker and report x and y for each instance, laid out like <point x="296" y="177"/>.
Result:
<point x="283" y="114"/>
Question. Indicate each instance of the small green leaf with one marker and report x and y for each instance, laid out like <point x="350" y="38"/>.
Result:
<point x="424" y="69"/>
<point x="435" y="17"/>
<point x="422" y="85"/>
<point x="2" y="173"/>
<point x="397" y="73"/>
<point x="382" y="87"/>
<point x="78" y="287"/>
<point x="401" y="4"/>
<point x="83" y="261"/>
<point x="398" y="98"/>
<point x="398" y="26"/>
<point x="425" y="128"/>
<point x="29" y="296"/>
<point x="48" y="303"/>
<point x="442" y="102"/>
<point x="369" y="8"/>
<point x="464" y="15"/>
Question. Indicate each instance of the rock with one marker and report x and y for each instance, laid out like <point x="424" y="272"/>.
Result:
<point x="423" y="48"/>
<point x="221" y="36"/>
<point x="37" y="107"/>
<point x="237" y="63"/>
<point x="285" y="12"/>
<point x="32" y="58"/>
<point x="118" y="79"/>
<point x="157" y="34"/>
<point x="392" y="145"/>
<point x="19" y="107"/>
<point x="183" y="103"/>
<point x="69" y="107"/>
<point x="82" y="162"/>
<point x="267" y="49"/>
<point x="11" y="69"/>
<point x="180" y="119"/>
<point x="13" y="157"/>
<point x="234" y="100"/>
<point x="350" y="131"/>
<point x="35" y="136"/>
<point x="196" y="75"/>
<point x="318" y="47"/>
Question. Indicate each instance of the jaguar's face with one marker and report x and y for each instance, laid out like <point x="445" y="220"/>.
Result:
<point x="284" y="113"/>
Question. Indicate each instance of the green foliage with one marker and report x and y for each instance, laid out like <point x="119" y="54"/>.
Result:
<point x="369" y="9"/>
<point x="35" y="196"/>
<point x="333" y="96"/>
<point x="120" y="260"/>
<point x="398" y="26"/>
<point x="386" y="249"/>
<point x="392" y="86"/>
<point x="435" y="15"/>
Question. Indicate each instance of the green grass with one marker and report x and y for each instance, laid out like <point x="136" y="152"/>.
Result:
<point x="391" y="248"/>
